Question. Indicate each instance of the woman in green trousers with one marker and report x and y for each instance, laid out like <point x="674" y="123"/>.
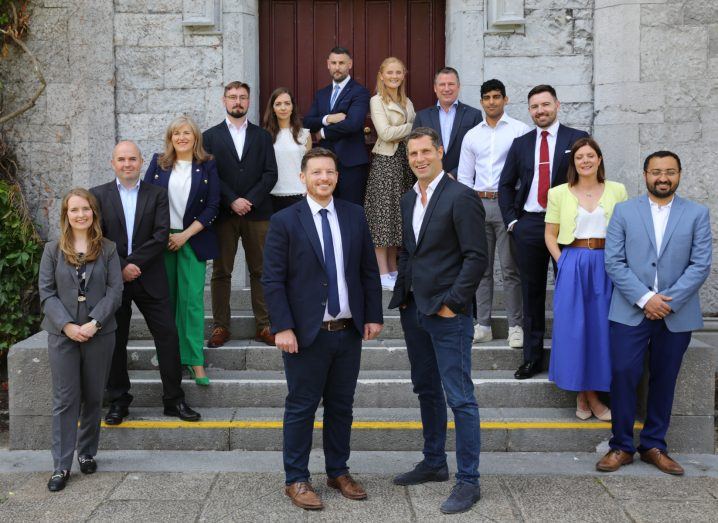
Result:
<point x="190" y="176"/>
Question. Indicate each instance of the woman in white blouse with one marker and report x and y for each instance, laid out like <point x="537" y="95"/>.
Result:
<point x="190" y="176"/>
<point x="389" y="176"/>
<point x="291" y="141"/>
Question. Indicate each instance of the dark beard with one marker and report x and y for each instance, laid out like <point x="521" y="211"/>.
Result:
<point x="236" y="114"/>
<point x="658" y="194"/>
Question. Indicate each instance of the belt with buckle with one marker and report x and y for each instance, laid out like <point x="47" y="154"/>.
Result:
<point x="589" y="243"/>
<point x="488" y="195"/>
<point x="336" y="325"/>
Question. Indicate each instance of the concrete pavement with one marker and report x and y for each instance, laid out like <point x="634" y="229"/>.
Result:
<point x="247" y="486"/>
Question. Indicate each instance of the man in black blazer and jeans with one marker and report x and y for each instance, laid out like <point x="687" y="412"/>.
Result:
<point x="136" y="216"/>
<point x="247" y="172"/>
<point x="440" y="266"/>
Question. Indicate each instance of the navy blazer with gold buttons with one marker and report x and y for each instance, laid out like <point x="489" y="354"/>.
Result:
<point x="202" y="204"/>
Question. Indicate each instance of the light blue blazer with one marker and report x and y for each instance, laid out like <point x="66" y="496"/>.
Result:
<point x="683" y="263"/>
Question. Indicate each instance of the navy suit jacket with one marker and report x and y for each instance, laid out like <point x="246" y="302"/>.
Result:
<point x="466" y="118"/>
<point x="345" y="138"/>
<point x="252" y="177"/>
<point x="202" y="204"/>
<point x="518" y="172"/>
<point x="295" y="278"/>
<point x="446" y="263"/>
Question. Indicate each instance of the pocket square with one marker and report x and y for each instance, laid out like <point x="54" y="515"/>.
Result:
<point x="567" y="151"/>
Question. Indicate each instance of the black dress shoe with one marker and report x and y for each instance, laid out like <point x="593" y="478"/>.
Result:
<point x="528" y="370"/>
<point x="88" y="465"/>
<point x="58" y="480"/>
<point x="116" y="414"/>
<point x="182" y="411"/>
<point x="422" y="473"/>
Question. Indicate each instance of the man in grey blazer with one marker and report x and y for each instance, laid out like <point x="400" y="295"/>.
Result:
<point x="658" y="254"/>
<point x="450" y="118"/>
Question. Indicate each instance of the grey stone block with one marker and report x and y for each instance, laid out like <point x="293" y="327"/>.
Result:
<point x="628" y="103"/>
<point x="694" y="394"/>
<point x="82" y="490"/>
<point x="169" y="101"/>
<point x="30" y="432"/>
<point x="617" y="36"/>
<point x="695" y="434"/>
<point x="657" y="488"/>
<point x="685" y="48"/>
<point x="142" y="6"/>
<point x="700" y="12"/>
<point x="163" y="486"/>
<point x="192" y="67"/>
<point x="150" y="511"/>
<point x="29" y="377"/>
<point x="140" y="68"/>
<point x="142" y="126"/>
<point x="148" y="30"/>
<point x="571" y="70"/>
<point x="548" y="32"/>
<point x="131" y="100"/>
<point x="666" y="511"/>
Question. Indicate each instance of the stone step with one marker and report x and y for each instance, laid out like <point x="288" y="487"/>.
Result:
<point x="386" y="354"/>
<point x="375" y="389"/>
<point x="242" y="325"/>
<point x="240" y="298"/>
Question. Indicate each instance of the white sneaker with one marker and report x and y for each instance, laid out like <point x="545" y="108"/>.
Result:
<point x="516" y="337"/>
<point x="387" y="282"/>
<point x="482" y="333"/>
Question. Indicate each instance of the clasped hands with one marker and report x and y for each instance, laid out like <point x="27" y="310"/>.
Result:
<point x="287" y="341"/>
<point x="241" y="206"/>
<point x="80" y="333"/>
<point x="657" y="307"/>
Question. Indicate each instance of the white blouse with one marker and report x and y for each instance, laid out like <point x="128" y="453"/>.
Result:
<point x="590" y="224"/>
<point x="178" y="190"/>
<point x="289" y="162"/>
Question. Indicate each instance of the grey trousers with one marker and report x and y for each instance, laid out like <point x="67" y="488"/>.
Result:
<point x="79" y="374"/>
<point x="498" y="238"/>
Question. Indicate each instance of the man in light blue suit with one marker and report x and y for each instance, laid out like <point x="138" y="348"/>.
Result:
<point x="658" y="254"/>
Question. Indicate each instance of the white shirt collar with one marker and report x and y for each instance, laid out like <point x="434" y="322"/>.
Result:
<point x="504" y="118"/>
<point x="122" y="187"/>
<point x="343" y="83"/>
<point x="232" y="126"/>
<point x="661" y="207"/>
<point x="432" y="185"/>
<point x="454" y="105"/>
<point x="552" y="129"/>
<point x="315" y="207"/>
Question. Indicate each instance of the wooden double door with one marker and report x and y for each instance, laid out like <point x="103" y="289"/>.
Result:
<point x="296" y="36"/>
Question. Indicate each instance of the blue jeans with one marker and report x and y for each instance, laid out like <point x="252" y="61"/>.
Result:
<point x="439" y="351"/>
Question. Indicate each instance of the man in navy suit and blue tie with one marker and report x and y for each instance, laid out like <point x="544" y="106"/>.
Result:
<point x="321" y="283"/>
<point x="658" y="254"/>
<point x="536" y="161"/>
<point x="337" y="117"/>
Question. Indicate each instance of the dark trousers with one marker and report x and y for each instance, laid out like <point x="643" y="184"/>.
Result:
<point x="665" y="354"/>
<point x="161" y="322"/>
<point x="439" y="351"/>
<point x="532" y="257"/>
<point x="352" y="183"/>
<point x="282" y="202"/>
<point x="326" y="370"/>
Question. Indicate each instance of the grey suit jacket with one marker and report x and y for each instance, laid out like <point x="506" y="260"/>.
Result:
<point x="58" y="285"/>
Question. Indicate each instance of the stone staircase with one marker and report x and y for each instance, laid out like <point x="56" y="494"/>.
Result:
<point x="242" y="408"/>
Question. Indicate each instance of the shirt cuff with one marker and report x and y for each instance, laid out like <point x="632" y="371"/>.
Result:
<point x="510" y="226"/>
<point x="321" y="133"/>
<point x="324" y="121"/>
<point x="644" y="299"/>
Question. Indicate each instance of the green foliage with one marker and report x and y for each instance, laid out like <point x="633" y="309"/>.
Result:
<point x="20" y="251"/>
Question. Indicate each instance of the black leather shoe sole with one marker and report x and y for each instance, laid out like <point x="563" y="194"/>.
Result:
<point x="57" y="483"/>
<point x="525" y="372"/>
<point x="115" y="416"/>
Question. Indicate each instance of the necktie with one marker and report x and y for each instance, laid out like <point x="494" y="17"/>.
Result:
<point x="330" y="262"/>
<point x="544" y="171"/>
<point x="335" y="93"/>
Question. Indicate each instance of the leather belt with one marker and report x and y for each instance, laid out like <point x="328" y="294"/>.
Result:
<point x="336" y="325"/>
<point x="488" y="195"/>
<point x="589" y="243"/>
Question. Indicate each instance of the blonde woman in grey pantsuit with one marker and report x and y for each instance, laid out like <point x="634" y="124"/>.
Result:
<point x="80" y="286"/>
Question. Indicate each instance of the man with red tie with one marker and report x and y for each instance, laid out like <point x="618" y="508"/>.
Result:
<point x="536" y="161"/>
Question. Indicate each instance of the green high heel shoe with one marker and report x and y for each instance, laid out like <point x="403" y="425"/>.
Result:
<point x="203" y="381"/>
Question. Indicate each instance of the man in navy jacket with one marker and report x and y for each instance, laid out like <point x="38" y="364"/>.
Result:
<point x="337" y="117"/>
<point x="321" y="283"/>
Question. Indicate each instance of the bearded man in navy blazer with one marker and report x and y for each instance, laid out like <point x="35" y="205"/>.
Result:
<point x="337" y="117"/>
<point x="450" y="118"/>
<point x="536" y="161"/>
<point x="321" y="282"/>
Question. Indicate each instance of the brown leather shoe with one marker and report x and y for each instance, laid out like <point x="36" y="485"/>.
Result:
<point x="265" y="335"/>
<point x="614" y="460"/>
<point x="347" y="486"/>
<point x="302" y="495"/>
<point x="219" y="337"/>
<point x="662" y="461"/>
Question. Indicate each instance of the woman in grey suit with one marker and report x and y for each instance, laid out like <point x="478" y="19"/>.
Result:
<point x="80" y="287"/>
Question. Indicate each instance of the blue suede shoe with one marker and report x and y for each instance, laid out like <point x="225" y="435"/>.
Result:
<point x="463" y="496"/>
<point x="422" y="473"/>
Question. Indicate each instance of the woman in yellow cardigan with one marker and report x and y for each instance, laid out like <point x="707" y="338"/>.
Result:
<point x="576" y="220"/>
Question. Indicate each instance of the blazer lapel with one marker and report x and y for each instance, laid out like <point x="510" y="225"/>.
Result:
<point x="430" y="209"/>
<point x="228" y="142"/>
<point x="117" y="204"/>
<point x="70" y="269"/>
<point x="342" y="94"/>
<point x="140" y="208"/>
<point x="307" y="221"/>
<point x="88" y="270"/>
<point x="249" y="136"/>
<point x="673" y="219"/>
<point x="460" y="109"/>
<point x="561" y="146"/>
<point x="644" y="210"/>
<point x="196" y="178"/>
<point x="435" y="124"/>
<point x="407" y="215"/>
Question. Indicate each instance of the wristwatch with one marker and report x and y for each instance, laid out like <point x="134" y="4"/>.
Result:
<point x="97" y="324"/>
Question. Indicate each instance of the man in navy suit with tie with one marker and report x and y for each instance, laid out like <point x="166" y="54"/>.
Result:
<point x="321" y="283"/>
<point x="450" y="118"/>
<point x="337" y="117"/>
<point x="536" y="161"/>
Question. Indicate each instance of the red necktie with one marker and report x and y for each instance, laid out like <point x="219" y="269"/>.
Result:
<point x="544" y="171"/>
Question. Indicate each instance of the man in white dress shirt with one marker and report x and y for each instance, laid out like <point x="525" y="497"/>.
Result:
<point x="483" y="153"/>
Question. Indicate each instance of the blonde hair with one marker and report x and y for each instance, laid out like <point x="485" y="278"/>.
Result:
<point x="168" y="158"/>
<point x="94" y="234"/>
<point x="381" y="89"/>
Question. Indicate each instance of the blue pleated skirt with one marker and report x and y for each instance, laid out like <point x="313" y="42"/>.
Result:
<point x="580" y="358"/>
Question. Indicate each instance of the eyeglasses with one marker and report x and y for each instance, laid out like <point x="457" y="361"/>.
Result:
<point x="667" y="172"/>
<point x="234" y="98"/>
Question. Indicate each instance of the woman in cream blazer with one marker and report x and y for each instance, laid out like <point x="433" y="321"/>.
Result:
<point x="389" y="176"/>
